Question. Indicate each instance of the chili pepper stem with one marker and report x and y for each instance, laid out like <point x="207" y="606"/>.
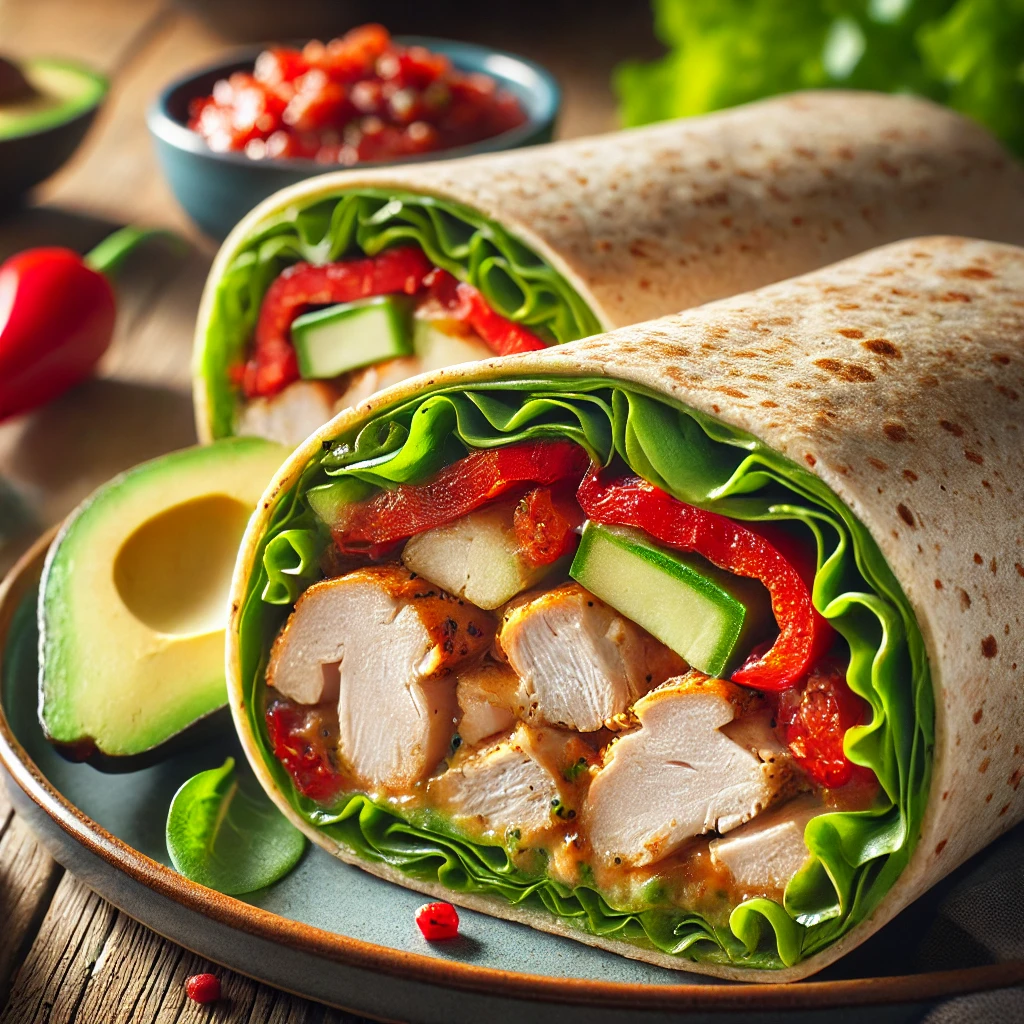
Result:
<point x="108" y="256"/>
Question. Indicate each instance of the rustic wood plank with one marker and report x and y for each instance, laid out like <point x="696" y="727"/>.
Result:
<point x="28" y="877"/>
<point x="101" y="34"/>
<point x="51" y="982"/>
<point x="115" y="174"/>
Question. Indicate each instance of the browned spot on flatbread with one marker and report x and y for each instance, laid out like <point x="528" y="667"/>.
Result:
<point x="978" y="560"/>
<point x="906" y="515"/>
<point x="731" y="392"/>
<point x="983" y="767"/>
<point x="852" y="373"/>
<point x="883" y="347"/>
<point x="940" y="847"/>
<point x="1014" y="779"/>
<point x="988" y="799"/>
<point x="810" y="460"/>
<point x="910" y="475"/>
<point x="851" y="332"/>
<point x="976" y="717"/>
<point x="989" y="647"/>
<point x="878" y="464"/>
<point x="1007" y="392"/>
<point x="1001" y="358"/>
<point x="975" y="273"/>
<point x="896" y="432"/>
<point x="965" y="598"/>
<point x="955" y="297"/>
<point x="769" y="404"/>
<point x="1019" y="568"/>
<point x="954" y="428"/>
<point x="976" y="457"/>
<point x="938" y="584"/>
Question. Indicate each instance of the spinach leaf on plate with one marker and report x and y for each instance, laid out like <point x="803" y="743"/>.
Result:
<point x="227" y="838"/>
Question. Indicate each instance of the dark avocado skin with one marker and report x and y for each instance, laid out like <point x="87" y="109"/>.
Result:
<point x="26" y="160"/>
<point x="84" y="751"/>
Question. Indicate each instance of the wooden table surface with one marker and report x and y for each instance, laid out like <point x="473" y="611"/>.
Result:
<point x="65" y="954"/>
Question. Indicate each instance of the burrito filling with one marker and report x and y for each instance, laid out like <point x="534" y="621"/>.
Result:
<point x="323" y="306"/>
<point x="574" y="646"/>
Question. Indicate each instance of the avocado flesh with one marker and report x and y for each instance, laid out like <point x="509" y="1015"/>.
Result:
<point x="133" y="600"/>
<point x="63" y="91"/>
<point x="709" y="617"/>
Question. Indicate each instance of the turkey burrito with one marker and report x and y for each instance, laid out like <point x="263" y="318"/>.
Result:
<point x="698" y="641"/>
<point x="354" y="280"/>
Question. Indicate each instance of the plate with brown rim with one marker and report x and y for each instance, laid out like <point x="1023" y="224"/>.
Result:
<point x="333" y="933"/>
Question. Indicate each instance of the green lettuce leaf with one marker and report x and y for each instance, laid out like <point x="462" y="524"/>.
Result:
<point x="856" y="855"/>
<point x="968" y="54"/>
<point x="516" y="282"/>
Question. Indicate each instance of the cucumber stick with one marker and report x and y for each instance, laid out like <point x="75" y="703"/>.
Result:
<point x="334" y="340"/>
<point x="709" y="617"/>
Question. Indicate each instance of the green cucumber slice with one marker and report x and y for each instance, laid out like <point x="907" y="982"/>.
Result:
<point x="709" y="617"/>
<point x="332" y="341"/>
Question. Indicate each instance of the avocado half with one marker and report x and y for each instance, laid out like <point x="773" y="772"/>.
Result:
<point x="41" y="127"/>
<point x="133" y="602"/>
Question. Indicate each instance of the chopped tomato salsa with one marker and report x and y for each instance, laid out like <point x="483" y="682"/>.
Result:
<point x="358" y="98"/>
<point x="437" y="921"/>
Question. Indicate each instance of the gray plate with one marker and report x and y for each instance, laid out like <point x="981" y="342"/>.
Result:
<point x="336" y="934"/>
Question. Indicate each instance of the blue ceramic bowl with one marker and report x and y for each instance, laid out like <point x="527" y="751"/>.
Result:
<point x="218" y="189"/>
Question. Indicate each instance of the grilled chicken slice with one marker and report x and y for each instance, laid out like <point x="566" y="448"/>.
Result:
<point x="475" y="556"/>
<point x="490" y="696"/>
<point x="764" y="854"/>
<point x="370" y="379"/>
<point x="291" y="416"/>
<point x="516" y="783"/>
<point x="386" y="644"/>
<point x="684" y="772"/>
<point x="581" y="662"/>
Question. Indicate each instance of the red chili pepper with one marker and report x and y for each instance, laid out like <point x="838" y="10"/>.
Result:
<point x="438" y="921"/>
<point x="57" y="314"/>
<point x="463" y="302"/>
<point x="203" y="988"/>
<point x="273" y="365"/>
<point x="812" y="719"/>
<point x="545" y="522"/>
<point x="371" y="527"/>
<point x="788" y="574"/>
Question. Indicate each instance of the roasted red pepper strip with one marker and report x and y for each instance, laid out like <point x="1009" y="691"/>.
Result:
<point x="803" y="634"/>
<point x="273" y="365"/>
<point x="464" y="303"/>
<point x="812" y="719"/>
<point x="545" y="522"/>
<point x="299" y="745"/>
<point x="371" y="527"/>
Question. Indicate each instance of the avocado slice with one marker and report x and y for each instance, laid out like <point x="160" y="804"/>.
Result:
<point x="332" y="341"/>
<point x="709" y="617"/>
<point x="133" y="602"/>
<point x="58" y="91"/>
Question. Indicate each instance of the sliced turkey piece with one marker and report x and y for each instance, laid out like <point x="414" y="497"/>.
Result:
<point x="684" y="772"/>
<point x="387" y="644"/>
<point x="764" y="854"/>
<point x="490" y="696"/>
<point x="580" y="661"/>
<point x="288" y="417"/>
<point x="475" y="556"/>
<point x="516" y="783"/>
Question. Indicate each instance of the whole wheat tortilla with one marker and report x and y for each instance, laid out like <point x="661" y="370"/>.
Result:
<point x="653" y="220"/>
<point x="897" y="377"/>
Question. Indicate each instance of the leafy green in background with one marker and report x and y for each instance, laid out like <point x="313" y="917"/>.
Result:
<point x="227" y="839"/>
<point x="968" y="54"/>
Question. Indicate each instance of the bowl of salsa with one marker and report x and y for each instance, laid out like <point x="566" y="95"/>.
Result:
<point x="231" y="134"/>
